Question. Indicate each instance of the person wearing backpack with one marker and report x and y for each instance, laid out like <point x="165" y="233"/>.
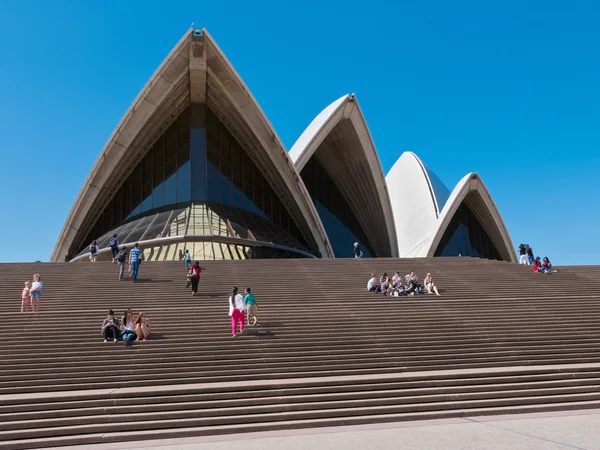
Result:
<point x="114" y="247"/>
<point x="121" y="258"/>
<point x="93" y="252"/>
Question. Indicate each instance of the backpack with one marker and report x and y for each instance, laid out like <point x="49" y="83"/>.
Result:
<point x="121" y="256"/>
<point x="92" y="249"/>
<point x="112" y="242"/>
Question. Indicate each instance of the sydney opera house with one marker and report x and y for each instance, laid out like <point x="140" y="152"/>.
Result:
<point x="195" y="164"/>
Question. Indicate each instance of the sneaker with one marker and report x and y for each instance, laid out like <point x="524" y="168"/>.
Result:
<point x="115" y="341"/>
<point x="105" y="340"/>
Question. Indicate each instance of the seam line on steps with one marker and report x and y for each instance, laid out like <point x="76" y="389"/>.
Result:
<point x="279" y="383"/>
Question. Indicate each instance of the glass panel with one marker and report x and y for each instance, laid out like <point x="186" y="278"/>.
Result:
<point x="183" y="162"/>
<point x="117" y="206"/>
<point x="158" y="194"/>
<point x="465" y="236"/>
<point x="248" y="181"/>
<point x="140" y="229"/>
<point x="178" y="223"/>
<point x="199" y="221"/>
<point x="218" y="225"/>
<point x="183" y="183"/>
<point x="225" y="165"/>
<point x="340" y="223"/>
<point x="236" y="175"/>
<point x="171" y="165"/>
<point x="126" y="198"/>
<point x="136" y="192"/>
<point x="198" y="151"/>
<point x="147" y="181"/>
<point x="155" y="230"/>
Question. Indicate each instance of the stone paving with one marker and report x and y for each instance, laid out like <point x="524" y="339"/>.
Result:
<point x="555" y="431"/>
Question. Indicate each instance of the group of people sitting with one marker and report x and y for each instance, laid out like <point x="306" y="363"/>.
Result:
<point x="128" y="330"/>
<point x="401" y="286"/>
<point x="544" y="266"/>
<point x="525" y="253"/>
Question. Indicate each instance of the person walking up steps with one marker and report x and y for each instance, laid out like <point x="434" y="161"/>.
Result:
<point x="93" y="252"/>
<point x="187" y="259"/>
<point x="251" y="305"/>
<point x="237" y="305"/>
<point x="121" y="259"/>
<point x="195" y="276"/>
<point x="135" y="257"/>
<point x="357" y="251"/>
<point x="114" y="247"/>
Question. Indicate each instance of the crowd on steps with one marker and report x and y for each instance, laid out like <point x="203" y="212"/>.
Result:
<point x="401" y="286"/>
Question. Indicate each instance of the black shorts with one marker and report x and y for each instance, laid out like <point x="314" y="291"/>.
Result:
<point x="115" y="251"/>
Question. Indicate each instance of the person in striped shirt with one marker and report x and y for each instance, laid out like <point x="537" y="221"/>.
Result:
<point x="135" y="258"/>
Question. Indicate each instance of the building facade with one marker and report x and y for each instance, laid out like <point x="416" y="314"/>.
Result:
<point x="195" y="164"/>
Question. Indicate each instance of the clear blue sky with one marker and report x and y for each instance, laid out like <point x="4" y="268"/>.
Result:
<point x="508" y="89"/>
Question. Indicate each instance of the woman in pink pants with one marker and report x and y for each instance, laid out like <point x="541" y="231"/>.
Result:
<point x="237" y="305"/>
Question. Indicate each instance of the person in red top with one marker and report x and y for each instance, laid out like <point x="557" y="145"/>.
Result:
<point x="537" y="266"/>
<point x="195" y="276"/>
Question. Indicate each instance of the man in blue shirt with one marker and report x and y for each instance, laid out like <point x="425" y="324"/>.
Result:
<point x="135" y="257"/>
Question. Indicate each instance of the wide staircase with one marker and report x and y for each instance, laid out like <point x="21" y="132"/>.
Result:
<point x="500" y="339"/>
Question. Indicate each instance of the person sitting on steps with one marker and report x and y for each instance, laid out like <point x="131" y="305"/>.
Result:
<point x="430" y="285"/>
<point x="142" y="327"/>
<point x="128" y="328"/>
<point x="372" y="285"/>
<point x="547" y="265"/>
<point x="386" y="289"/>
<point x="396" y="280"/>
<point x="110" y="327"/>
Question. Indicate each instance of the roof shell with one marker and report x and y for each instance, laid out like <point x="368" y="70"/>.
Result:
<point x="340" y="139"/>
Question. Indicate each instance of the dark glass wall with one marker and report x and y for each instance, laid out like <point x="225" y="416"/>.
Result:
<point x="466" y="236"/>
<point x="340" y="223"/>
<point x="196" y="159"/>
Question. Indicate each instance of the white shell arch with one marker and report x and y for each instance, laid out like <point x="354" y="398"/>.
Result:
<point x="339" y="137"/>
<point x="423" y="209"/>
<point x="195" y="71"/>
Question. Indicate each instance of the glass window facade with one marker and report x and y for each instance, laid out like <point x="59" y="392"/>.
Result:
<point x="340" y="223"/>
<point x="196" y="160"/>
<point x="208" y="220"/>
<point x="466" y="236"/>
